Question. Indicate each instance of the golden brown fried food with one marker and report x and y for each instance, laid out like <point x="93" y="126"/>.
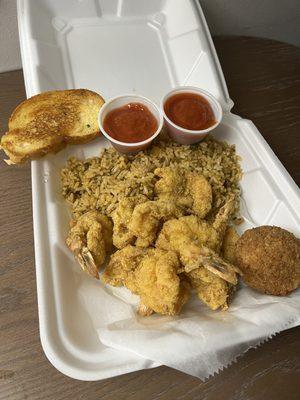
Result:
<point x="269" y="258"/>
<point x="188" y="190"/>
<point x="203" y="232"/>
<point x="122" y="235"/>
<point x="152" y="274"/>
<point x="177" y="236"/>
<point x="90" y="238"/>
<point x="147" y="219"/>
<point x="121" y="266"/>
<point x="214" y="291"/>
<point x="211" y="234"/>
<point x="229" y="243"/>
<point x="198" y="242"/>
<point x="158" y="283"/>
<point x="222" y="218"/>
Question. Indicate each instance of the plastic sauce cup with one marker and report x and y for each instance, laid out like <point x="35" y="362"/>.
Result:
<point x="187" y="136"/>
<point x="120" y="101"/>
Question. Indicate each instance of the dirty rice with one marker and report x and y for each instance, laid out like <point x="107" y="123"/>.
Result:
<point x="101" y="182"/>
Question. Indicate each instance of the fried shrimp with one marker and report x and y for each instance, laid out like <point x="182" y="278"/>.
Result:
<point x="188" y="190"/>
<point x="158" y="283"/>
<point x="176" y="235"/>
<point x="199" y="242"/>
<point x="229" y="244"/>
<point x="122" y="235"/>
<point x="153" y="274"/>
<point x="148" y="217"/>
<point x="214" y="291"/>
<point x="170" y="207"/>
<point x="121" y="266"/>
<point x="90" y="239"/>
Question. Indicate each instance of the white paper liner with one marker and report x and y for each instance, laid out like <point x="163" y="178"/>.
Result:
<point x="199" y="341"/>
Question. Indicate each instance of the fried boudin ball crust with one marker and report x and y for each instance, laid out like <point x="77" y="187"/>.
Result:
<point x="269" y="258"/>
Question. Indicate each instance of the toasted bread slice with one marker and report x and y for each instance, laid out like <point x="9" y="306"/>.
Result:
<point x="45" y="122"/>
<point x="75" y="111"/>
<point x="22" y="144"/>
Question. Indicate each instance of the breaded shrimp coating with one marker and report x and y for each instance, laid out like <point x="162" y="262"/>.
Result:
<point x="152" y="274"/>
<point x="198" y="244"/>
<point x="203" y="232"/>
<point x="176" y="235"/>
<point x="211" y="234"/>
<point x="188" y="190"/>
<point x="147" y="218"/>
<point x="214" y="291"/>
<point x="121" y="266"/>
<point x="229" y="244"/>
<point x="222" y="218"/>
<point x="157" y="283"/>
<point x="122" y="235"/>
<point x="204" y="268"/>
<point x="90" y="239"/>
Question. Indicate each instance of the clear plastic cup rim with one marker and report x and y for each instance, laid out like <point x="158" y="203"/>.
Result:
<point x="145" y="101"/>
<point x="208" y="96"/>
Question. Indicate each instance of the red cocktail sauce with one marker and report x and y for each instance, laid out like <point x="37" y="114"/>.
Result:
<point x="131" y="123"/>
<point x="190" y="111"/>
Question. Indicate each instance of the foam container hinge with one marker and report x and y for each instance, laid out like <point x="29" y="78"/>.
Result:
<point x="113" y="47"/>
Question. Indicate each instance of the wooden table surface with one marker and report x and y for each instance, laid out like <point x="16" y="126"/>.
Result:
<point x="263" y="79"/>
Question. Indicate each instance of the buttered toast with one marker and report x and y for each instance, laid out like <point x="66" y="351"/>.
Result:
<point x="48" y="121"/>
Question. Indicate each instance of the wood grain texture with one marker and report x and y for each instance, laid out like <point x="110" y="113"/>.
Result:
<point x="263" y="78"/>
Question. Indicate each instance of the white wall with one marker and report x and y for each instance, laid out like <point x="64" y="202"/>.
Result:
<point x="275" y="19"/>
<point x="10" y="58"/>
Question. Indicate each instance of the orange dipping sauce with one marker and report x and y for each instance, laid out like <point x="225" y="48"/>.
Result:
<point x="190" y="111"/>
<point x="131" y="123"/>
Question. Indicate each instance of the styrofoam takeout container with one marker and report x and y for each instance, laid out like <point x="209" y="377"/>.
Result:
<point x="187" y="136"/>
<point x="113" y="47"/>
<point x="120" y="101"/>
